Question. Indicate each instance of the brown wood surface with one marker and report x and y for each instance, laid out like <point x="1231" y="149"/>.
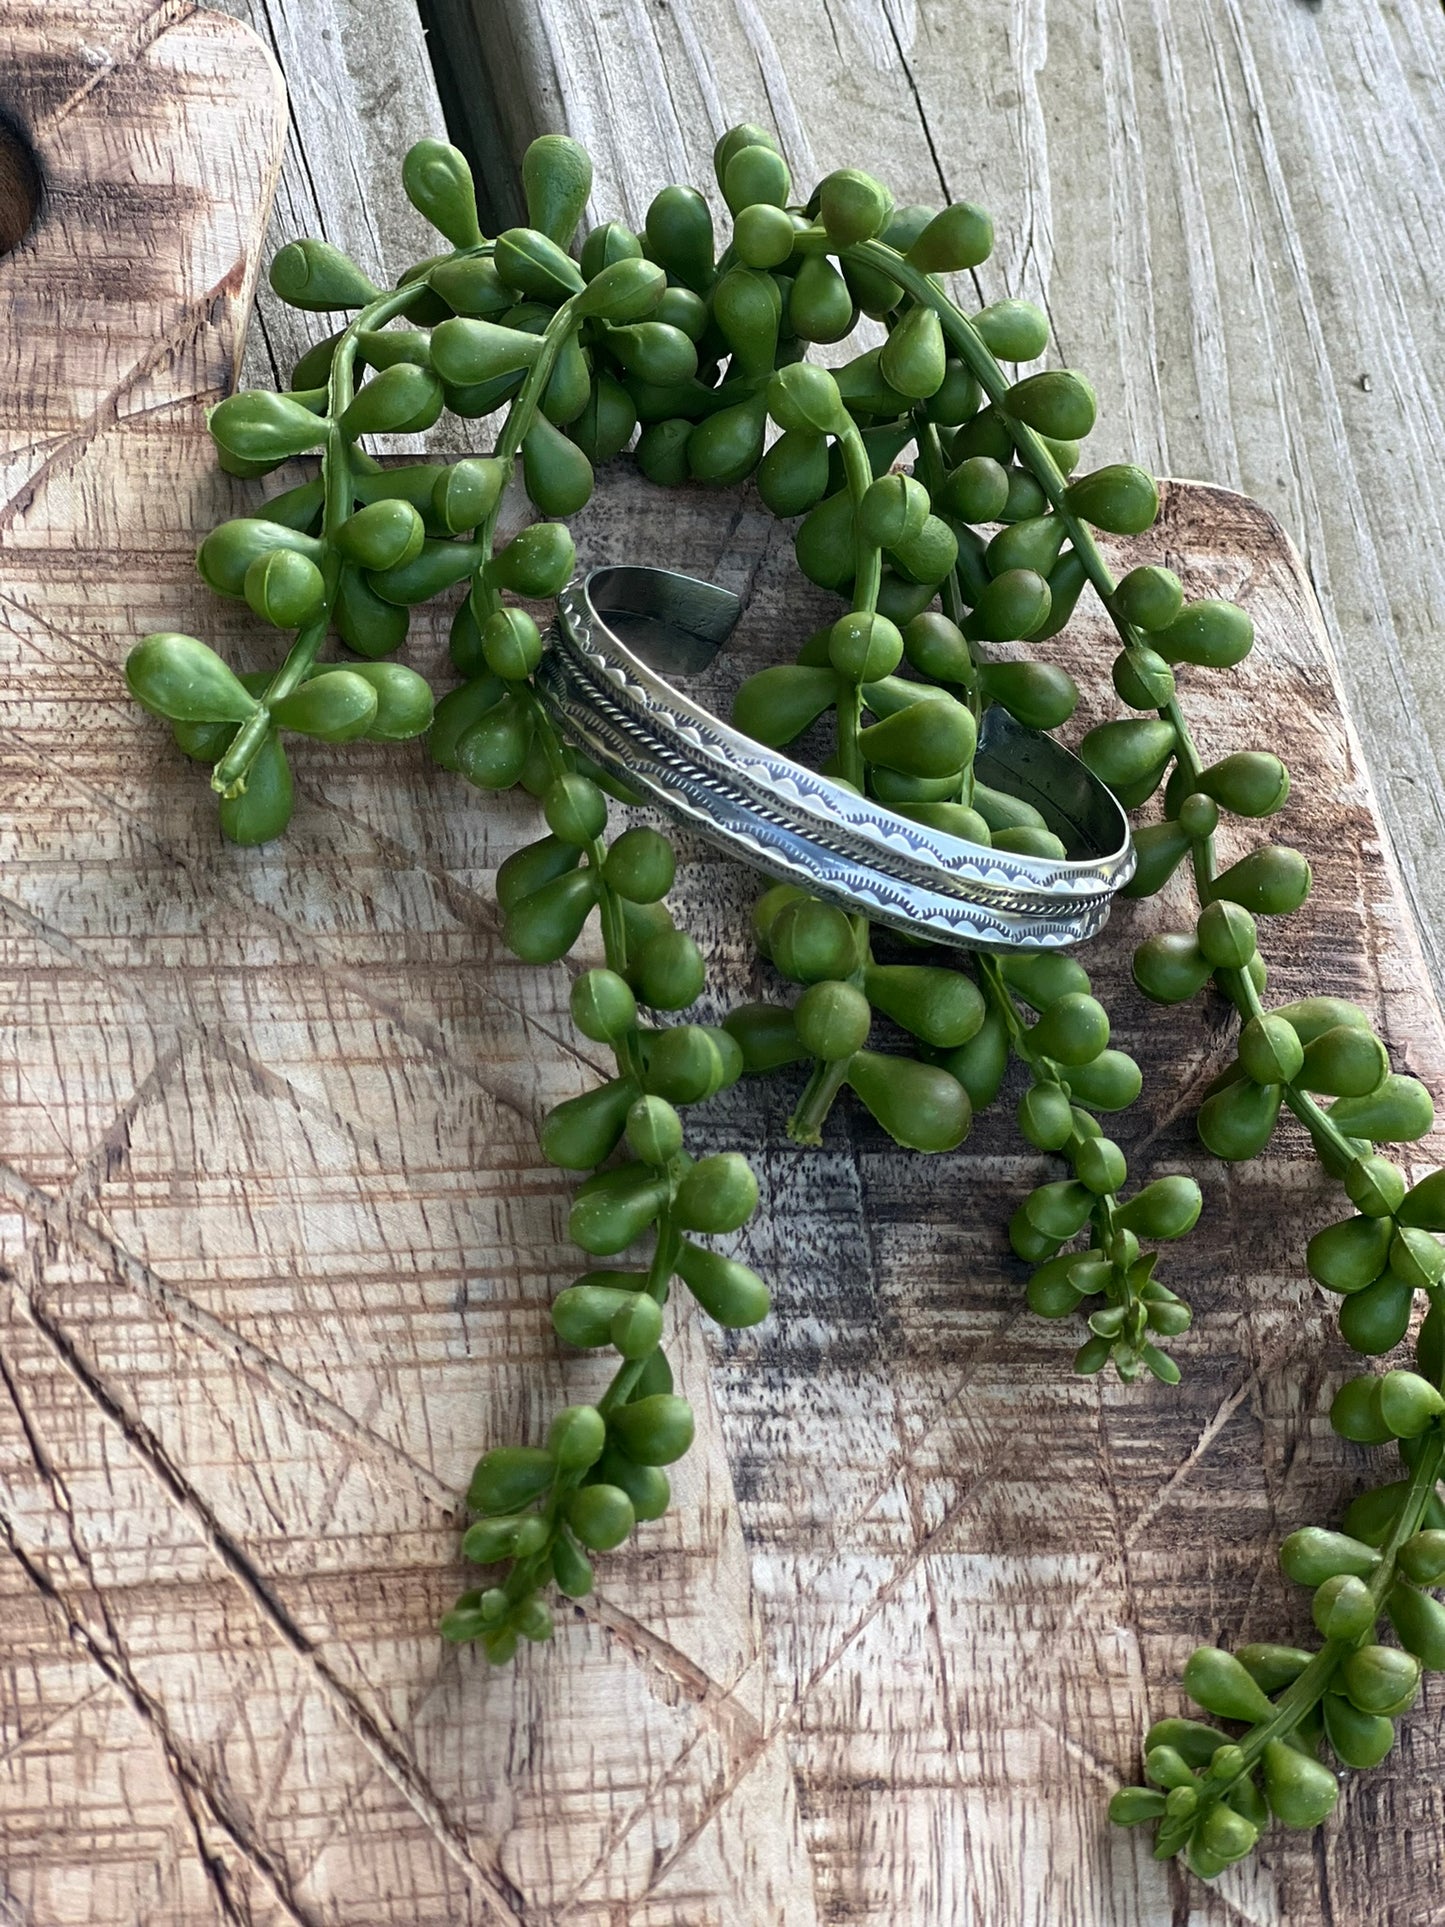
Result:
<point x="279" y="1246"/>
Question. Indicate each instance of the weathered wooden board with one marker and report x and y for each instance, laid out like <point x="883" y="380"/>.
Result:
<point x="280" y="1246"/>
<point x="361" y="91"/>
<point x="1230" y="210"/>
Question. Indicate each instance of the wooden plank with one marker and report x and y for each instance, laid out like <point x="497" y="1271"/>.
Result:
<point x="361" y="91"/>
<point x="281" y="1243"/>
<point x="217" y="1662"/>
<point x="1228" y="210"/>
<point x="977" y="1572"/>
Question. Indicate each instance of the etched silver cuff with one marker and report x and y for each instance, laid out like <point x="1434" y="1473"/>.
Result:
<point x="622" y="632"/>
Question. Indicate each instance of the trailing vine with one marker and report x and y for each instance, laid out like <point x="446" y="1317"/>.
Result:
<point x="696" y="353"/>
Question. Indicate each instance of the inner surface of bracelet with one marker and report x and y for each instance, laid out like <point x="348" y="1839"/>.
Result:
<point x="1027" y="764"/>
<point x="673" y="623"/>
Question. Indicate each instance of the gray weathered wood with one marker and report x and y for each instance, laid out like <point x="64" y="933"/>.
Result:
<point x="1232" y="211"/>
<point x="360" y="92"/>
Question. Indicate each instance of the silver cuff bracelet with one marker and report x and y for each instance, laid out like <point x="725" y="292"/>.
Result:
<point x="621" y="632"/>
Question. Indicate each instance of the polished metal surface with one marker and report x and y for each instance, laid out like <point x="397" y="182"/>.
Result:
<point x="622" y="632"/>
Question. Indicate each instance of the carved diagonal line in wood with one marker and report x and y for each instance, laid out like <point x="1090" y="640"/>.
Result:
<point x="386" y="1747"/>
<point x="475" y="908"/>
<point x="76" y="1232"/>
<point x="53" y="1717"/>
<point x="756" y="1742"/>
<point x="64" y="1220"/>
<point x="312" y="951"/>
<point x="647" y="1649"/>
<point x="104" y="1646"/>
<point x="1166" y="1495"/>
<point x="389" y="1756"/>
<point x="112" y="40"/>
<point x="1228" y="1904"/>
<point x="58" y="458"/>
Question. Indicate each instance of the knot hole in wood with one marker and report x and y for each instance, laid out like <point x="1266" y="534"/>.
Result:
<point x="20" y="183"/>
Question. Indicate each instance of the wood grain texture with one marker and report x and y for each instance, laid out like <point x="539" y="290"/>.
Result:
<point x="1231" y="211"/>
<point x="279" y="1246"/>
<point x="360" y="92"/>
